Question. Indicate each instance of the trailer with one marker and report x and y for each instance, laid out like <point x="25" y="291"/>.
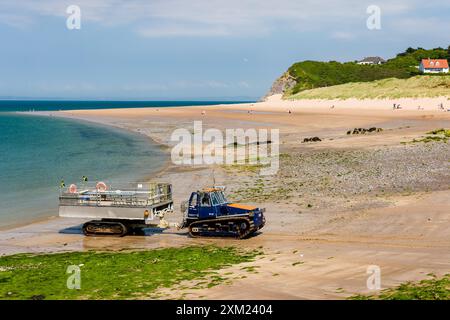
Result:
<point x="117" y="209"/>
<point x="120" y="211"/>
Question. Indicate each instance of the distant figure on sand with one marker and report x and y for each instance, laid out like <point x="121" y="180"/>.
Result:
<point x="289" y="111"/>
<point x="203" y="112"/>
<point x="441" y="106"/>
<point x="397" y="106"/>
<point x="332" y="107"/>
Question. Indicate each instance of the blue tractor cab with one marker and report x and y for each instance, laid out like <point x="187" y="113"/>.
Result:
<point x="209" y="213"/>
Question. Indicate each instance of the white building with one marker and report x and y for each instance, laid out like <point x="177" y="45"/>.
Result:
<point x="433" y="66"/>
<point x="372" y="60"/>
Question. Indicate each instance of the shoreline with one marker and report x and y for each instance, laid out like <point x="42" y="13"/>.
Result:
<point x="49" y="215"/>
<point x="67" y="115"/>
<point x="28" y="223"/>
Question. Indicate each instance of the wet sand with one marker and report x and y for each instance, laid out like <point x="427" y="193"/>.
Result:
<point x="319" y="252"/>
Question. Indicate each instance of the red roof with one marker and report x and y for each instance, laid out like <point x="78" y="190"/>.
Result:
<point x="435" y="63"/>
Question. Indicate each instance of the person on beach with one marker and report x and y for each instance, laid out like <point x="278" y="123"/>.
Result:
<point x="203" y="112"/>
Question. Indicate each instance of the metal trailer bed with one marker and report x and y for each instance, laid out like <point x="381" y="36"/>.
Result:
<point x="125" y="208"/>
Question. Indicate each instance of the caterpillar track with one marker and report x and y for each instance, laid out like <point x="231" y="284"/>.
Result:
<point x="237" y="227"/>
<point x="104" y="228"/>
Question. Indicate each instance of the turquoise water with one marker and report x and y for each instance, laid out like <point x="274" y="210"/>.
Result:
<point x="36" y="152"/>
<point x="53" y="105"/>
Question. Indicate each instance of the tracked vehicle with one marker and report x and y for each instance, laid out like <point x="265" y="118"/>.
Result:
<point x="129" y="209"/>
<point x="208" y="213"/>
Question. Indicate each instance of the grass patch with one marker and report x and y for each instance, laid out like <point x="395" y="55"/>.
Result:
<point x="418" y="86"/>
<point x="430" y="289"/>
<point x="444" y="132"/>
<point x="244" y="167"/>
<point x="113" y="275"/>
<point x="438" y="135"/>
<point x="253" y="164"/>
<point x="316" y="74"/>
<point x="431" y="139"/>
<point x="252" y="269"/>
<point x="308" y="75"/>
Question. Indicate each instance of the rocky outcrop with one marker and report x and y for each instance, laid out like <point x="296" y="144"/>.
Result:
<point x="281" y="85"/>
<point x="312" y="139"/>
<point x="364" y="130"/>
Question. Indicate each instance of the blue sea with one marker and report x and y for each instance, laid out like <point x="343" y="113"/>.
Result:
<point x="36" y="152"/>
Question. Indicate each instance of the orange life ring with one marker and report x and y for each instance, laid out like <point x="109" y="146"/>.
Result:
<point x="101" y="186"/>
<point x="73" y="188"/>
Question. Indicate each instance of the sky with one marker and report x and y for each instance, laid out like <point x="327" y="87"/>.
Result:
<point x="195" y="49"/>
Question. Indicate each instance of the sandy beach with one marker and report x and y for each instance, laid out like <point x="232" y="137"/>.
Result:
<point x="333" y="208"/>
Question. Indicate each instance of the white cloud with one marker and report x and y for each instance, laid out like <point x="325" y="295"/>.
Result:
<point x="213" y="18"/>
<point x="342" y="35"/>
<point x="16" y="21"/>
<point x="131" y="88"/>
<point x="243" y="84"/>
<point x="145" y="87"/>
<point x="429" y="26"/>
<point x="180" y="31"/>
<point x="211" y="84"/>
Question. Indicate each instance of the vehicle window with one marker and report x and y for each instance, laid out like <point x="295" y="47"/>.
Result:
<point x="205" y="202"/>
<point x="193" y="202"/>
<point x="215" y="200"/>
<point x="221" y="197"/>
